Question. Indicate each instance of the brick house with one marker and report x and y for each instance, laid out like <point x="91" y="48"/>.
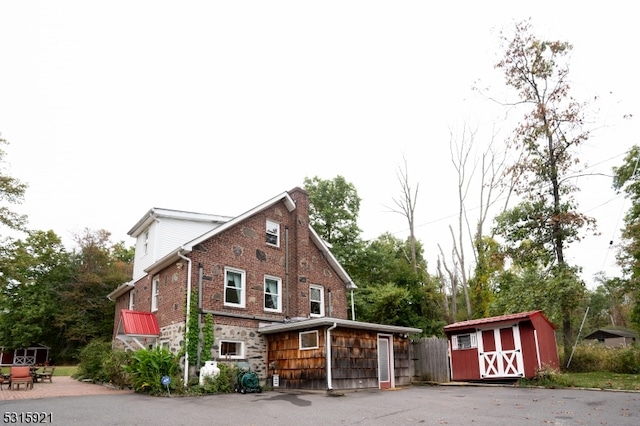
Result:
<point x="274" y="289"/>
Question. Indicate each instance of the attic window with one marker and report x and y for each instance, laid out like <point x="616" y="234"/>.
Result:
<point x="273" y="233"/>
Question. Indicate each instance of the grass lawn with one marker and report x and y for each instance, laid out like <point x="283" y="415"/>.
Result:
<point x="597" y="380"/>
<point x="65" y="370"/>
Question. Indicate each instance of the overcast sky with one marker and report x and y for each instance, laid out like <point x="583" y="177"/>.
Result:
<point x="112" y="108"/>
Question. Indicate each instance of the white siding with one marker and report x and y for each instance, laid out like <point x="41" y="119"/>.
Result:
<point x="165" y="235"/>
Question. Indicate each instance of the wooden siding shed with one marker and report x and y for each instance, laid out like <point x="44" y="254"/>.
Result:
<point x="360" y="355"/>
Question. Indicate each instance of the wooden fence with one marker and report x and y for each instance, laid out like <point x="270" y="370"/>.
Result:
<point x="430" y="359"/>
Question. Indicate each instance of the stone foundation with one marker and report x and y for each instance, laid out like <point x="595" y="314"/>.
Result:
<point x="255" y="349"/>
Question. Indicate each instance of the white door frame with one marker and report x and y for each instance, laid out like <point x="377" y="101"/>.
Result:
<point x="500" y="363"/>
<point x="385" y="360"/>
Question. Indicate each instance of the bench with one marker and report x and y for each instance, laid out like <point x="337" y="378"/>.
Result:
<point x="45" y="374"/>
<point x="20" y="375"/>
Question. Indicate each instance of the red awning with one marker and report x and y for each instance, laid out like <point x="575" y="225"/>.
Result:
<point x="138" y="323"/>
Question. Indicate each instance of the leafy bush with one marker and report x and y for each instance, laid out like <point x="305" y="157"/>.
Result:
<point x="222" y="383"/>
<point x="147" y="367"/>
<point x="91" y="358"/>
<point x="589" y="357"/>
<point x="114" y="367"/>
<point x="626" y="360"/>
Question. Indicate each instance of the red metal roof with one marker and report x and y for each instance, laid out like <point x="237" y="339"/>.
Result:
<point x="138" y="323"/>
<point x="492" y="320"/>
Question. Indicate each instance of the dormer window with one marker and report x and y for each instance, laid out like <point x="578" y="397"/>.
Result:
<point x="273" y="233"/>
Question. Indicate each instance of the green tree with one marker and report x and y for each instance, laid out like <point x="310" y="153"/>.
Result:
<point x="32" y="272"/>
<point x="626" y="179"/>
<point x="11" y="192"/>
<point x="384" y="269"/>
<point x="98" y="268"/>
<point x="539" y="229"/>
<point x="334" y="206"/>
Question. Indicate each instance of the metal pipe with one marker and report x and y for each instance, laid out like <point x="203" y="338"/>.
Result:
<point x="186" y="322"/>
<point x="286" y="270"/>
<point x="328" y="363"/>
<point x="200" y="269"/>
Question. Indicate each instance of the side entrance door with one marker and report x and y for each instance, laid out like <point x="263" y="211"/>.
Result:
<point x="500" y="353"/>
<point x="385" y="361"/>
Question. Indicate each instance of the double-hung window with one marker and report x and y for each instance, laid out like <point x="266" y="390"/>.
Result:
<point x="316" y="300"/>
<point x="155" y="284"/>
<point x="273" y="233"/>
<point x="272" y="294"/>
<point x="234" y="287"/>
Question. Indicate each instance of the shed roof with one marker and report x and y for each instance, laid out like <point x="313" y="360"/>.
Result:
<point x="328" y="321"/>
<point x="611" y="333"/>
<point x="138" y="323"/>
<point x="496" y="320"/>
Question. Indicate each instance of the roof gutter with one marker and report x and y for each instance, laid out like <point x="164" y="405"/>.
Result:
<point x="186" y="321"/>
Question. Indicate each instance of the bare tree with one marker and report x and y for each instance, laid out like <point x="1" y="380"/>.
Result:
<point x="406" y="206"/>
<point x="452" y="279"/>
<point x="485" y="171"/>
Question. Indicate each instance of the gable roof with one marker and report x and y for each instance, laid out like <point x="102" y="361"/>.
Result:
<point x="175" y="255"/>
<point x="496" y="320"/>
<point x="138" y="323"/>
<point x="157" y="212"/>
<point x="605" y="333"/>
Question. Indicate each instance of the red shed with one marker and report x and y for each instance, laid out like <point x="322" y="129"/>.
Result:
<point x="507" y="346"/>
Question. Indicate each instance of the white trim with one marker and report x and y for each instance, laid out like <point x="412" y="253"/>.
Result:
<point x="278" y="281"/>
<point x="275" y="233"/>
<point x="155" y="292"/>
<point x="236" y="342"/>
<point x="243" y="287"/>
<point x="390" y="355"/>
<point x="304" y="348"/>
<point x="321" y="301"/>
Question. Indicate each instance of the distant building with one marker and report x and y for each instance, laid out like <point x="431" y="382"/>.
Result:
<point x="614" y="338"/>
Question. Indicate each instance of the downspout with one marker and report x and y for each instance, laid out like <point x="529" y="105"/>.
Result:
<point x="200" y="272"/>
<point x="286" y="269"/>
<point x="328" y="343"/>
<point x="353" y="307"/>
<point x="186" y="329"/>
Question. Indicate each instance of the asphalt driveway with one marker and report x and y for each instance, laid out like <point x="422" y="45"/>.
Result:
<point x="438" y="405"/>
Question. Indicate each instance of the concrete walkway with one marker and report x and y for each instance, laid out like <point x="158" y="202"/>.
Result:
<point x="59" y="386"/>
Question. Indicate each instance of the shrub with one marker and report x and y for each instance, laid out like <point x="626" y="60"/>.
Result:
<point x="91" y="358"/>
<point x="590" y="357"/>
<point x="114" y="366"/>
<point x="626" y="360"/>
<point x="224" y="382"/>
<point x="147" y="367"/>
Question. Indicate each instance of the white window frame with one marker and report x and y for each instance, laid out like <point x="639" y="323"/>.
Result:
<point x="457" y="345"/>
<point x="239" y="345"/>
<point x="243" y="287"/>
<point x="304" y="333"/>
<point x="278" y="293"/>
<point x="155" y="291"/>
<point x="272" y="230"/>
<point x="145" y="241"/>
<point x="311" y="300"/>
